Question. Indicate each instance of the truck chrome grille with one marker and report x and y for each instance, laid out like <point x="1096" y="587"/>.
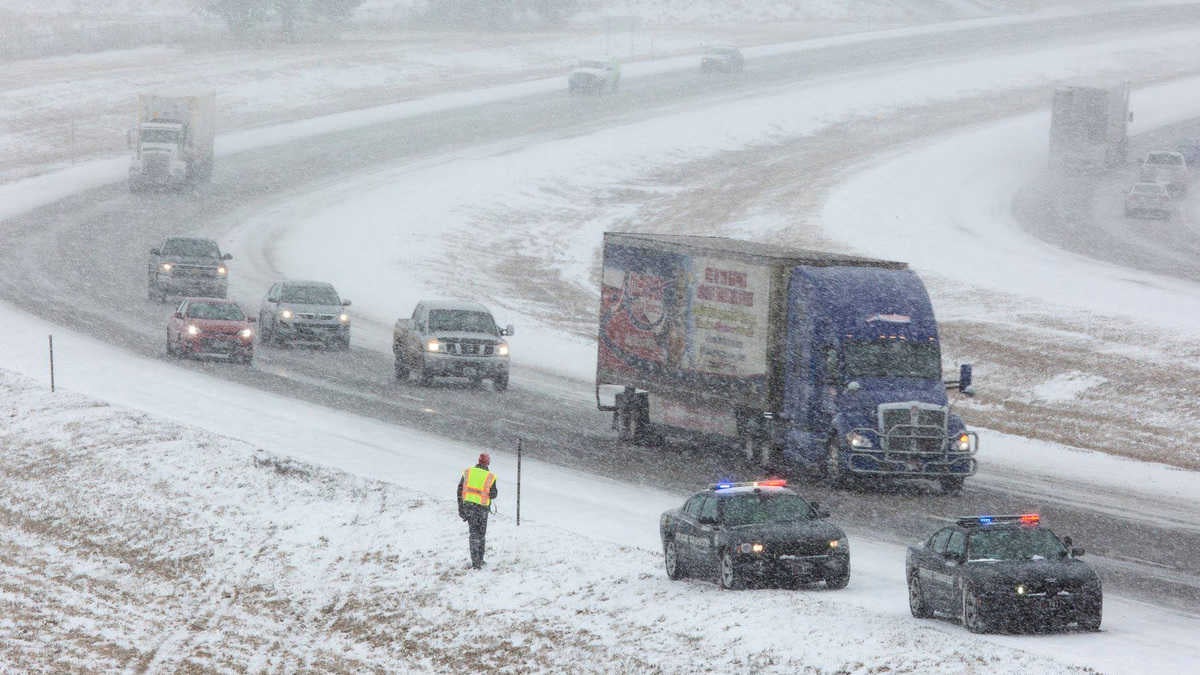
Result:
<point x="912" y="428"/>
<point x="468" y="347"/>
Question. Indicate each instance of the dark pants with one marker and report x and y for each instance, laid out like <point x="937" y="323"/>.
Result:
<point x="477" y="517"/>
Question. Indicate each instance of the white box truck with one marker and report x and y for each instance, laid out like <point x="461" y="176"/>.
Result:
<point x="173" y="140"/>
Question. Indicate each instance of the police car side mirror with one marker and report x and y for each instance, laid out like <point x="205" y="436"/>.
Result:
<point x="819" y="512"/>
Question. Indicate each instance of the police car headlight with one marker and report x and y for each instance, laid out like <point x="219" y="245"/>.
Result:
<point x="963" y="443"/>
<point x="857" y="440"/>
<point x="838" y="544"/>
<point x="1021" y="590"/>
<point x="751" y="547"/>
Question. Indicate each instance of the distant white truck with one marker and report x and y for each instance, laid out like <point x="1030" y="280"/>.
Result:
<point x="1167" y="167"/>
<point x="173" y="141"/>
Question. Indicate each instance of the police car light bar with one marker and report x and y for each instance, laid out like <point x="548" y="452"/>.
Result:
<point x="1022" y="519"/>
<point x="766" y="482"/>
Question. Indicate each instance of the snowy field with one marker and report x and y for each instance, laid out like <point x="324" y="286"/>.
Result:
<point x="157" y="519"/>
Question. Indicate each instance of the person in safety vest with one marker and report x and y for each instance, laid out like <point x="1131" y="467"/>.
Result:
<point x="476" y="490"/>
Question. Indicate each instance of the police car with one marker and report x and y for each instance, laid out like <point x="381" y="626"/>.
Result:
<point x="754" y="531"/>
<point x="1003" y="572"/>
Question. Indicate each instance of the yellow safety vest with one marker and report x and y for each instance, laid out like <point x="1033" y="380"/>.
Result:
<point x="477" y="486"/>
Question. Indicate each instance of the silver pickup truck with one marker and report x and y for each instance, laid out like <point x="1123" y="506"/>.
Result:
<point x="451" y="339"/>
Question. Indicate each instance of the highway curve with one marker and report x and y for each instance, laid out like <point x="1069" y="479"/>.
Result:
<point x="81" y="263"/>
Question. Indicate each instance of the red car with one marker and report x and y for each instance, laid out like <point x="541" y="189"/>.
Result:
<point x="203" y="327"/>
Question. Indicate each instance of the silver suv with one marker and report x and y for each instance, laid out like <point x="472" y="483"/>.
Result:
<point x="304" y="311"/>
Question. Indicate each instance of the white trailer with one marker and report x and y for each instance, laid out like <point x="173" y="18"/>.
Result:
<point x="173" y="141"/>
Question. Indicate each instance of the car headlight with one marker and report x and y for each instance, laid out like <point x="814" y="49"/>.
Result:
<point x="838" y="544"/>
<point x="501" y="349"/>
<point x="432" y="345"/>
<point x="193" y="329"/>
<point x="1021" y="590"/>
<point x="286" y="315"/>
<point x="963" y="443"/>
<point x="857" y="440"/>
<point x="246" y="333"/>
<point x="343" y="318"/>
<point x="221" y="271"/>
<point x="164" y="267"/>
<point x="751" y="547"/>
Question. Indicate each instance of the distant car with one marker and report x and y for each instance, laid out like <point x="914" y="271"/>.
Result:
<point x="211" y="327"/>
<point x="304" y="311"/>
<point x="1166" y="167"/>
<point x="754" y="531"/>
<point x="187" y="266"/>
<point x="1190" y="149"/>
<point x="722" y="59"/>
<point x="594" y="76"/>
<point x="1003" y="572"/>
<point x="1149" y="199"/>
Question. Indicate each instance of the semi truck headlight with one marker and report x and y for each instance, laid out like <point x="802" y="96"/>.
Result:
<point x="344" y="318"/>
<point x="286" y="315"/>
<point x="748" y="547"/>
<point x="432" y="345"/>
<point x="164" y="267"/>
<point x="501" y="349"/>
<point x="246" y="333"/>
<point x="963" y="443"/>
<point x="221" y="271"/>
<point x="857" y="440"/>
<point x="193" y="329"/>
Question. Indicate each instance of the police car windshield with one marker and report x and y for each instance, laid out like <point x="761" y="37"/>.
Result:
<point x="764" y="507"/>
<point x="1024" y="543"/>
<point x="893" y="358"/>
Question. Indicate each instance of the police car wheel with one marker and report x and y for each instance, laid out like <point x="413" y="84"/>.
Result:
<point x="839" y="581"/>
<point x="671" y="559"/>
<point x="729" y="577"/>
<point x="1090" y="621"/>
<point x="972" y="615"/>
<point x="916" y="598"/>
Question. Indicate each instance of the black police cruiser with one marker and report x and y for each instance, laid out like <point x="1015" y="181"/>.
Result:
<point x="759" y="531"/>
<point x="1003" y="572"/>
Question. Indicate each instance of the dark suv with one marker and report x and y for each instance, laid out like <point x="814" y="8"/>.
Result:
<point x="187" y="266"/>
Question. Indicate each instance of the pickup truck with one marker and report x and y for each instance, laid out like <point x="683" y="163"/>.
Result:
<point x="451" y="339"/>
<point x="187" y="266"/>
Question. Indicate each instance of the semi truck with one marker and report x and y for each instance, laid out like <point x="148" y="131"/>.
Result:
<point x="822" y="363"/>
<point x="173" y="141"/>
<point x="1089" y="127"/>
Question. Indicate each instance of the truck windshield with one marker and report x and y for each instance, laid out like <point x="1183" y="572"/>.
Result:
<point x="461" y="320"/>
<point x="748" y="509"/>
<point x="160" y="136"/>
<point x="191" y="248"/>
<point x="893" y="358"/>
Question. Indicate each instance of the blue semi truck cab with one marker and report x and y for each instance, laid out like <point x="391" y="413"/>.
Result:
<point x="818" y="362"/>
